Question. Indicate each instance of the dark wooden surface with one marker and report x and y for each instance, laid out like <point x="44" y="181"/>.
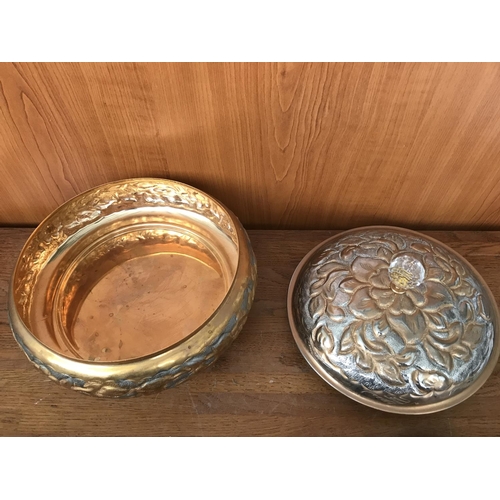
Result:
<point x="260" y="386"/>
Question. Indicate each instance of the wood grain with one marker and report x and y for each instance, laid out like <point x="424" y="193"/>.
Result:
<point x="260" y="386"/>
<point x="297" y="145"/>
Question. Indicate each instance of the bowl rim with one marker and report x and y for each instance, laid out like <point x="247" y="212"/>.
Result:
<point x="408" y="410"/>
<point x="12" y="307"/>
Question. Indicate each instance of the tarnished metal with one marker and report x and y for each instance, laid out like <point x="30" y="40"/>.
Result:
<point x="394" y="319"/>
<point x="132" y="287"/>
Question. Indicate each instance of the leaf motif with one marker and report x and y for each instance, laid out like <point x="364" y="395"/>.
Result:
<point x="363" y="360"/>
<point x="377" y="346"/>
<point x="410" y="328"/>
<point x="375" y="247"/>
<point x="461" y="351"/>
<point x="318" y="284"/>
<point x="464" y="289"/>
<point x="466" y="310"/>
<point x="400" y="242"/>
<point x="351" y="240"/>
<point x="438" y="357"/>
<point x="440" y="253"/>
<point x="330" y="267"/>
<point x="448" y="336"/>
<point x="438" y="297"/>
<point x="435" y="321"/>
<point x="473" y="334"/>
<point x="390" y="373"/>
<point x="380" y="327"/>
<point x="417" y="295"/>
<point x="332" y="283"/>
<point x="335" y="313"/>
<point x="443" y="271"/>
<point x="458" y="267"/>
<point x="405" y="357"/>
<point x="346" y="253"/>
<point x="391" y="246"/>
<point x="324" y="254"/>
<point x="444" y="265"/>
<point x="421" y="247"/>
<point x="481" y="309"/>
<point x="347" y="342"/>
<point x="384" y="254"/>
<point x="325" y="339"/>
<point x="317" y="306"/>
<point x="314" y="333"/>
<point x="435" y="273"/>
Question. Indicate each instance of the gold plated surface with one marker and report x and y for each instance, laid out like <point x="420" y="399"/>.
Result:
<point x="131" y="287"/>
<point x="394" y="319"/>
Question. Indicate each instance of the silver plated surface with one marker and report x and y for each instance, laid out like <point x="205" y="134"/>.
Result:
<point x="394" y="319"/>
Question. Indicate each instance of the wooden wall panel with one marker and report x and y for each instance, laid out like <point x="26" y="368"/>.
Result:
<point x="284" y="145"/>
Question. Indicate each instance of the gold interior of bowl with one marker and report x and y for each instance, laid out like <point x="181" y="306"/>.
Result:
<point x="130" y="283"/>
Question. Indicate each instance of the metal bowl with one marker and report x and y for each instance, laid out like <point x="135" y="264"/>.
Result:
<point x="394" y="319"/>
<point x="132" y="287"/>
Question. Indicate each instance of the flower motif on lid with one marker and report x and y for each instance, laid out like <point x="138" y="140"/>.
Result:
<point x="374" y="295"/>
<point x="401" y="309"/>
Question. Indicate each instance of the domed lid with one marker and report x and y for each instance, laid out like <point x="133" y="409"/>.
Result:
<point x="394" y="319"/>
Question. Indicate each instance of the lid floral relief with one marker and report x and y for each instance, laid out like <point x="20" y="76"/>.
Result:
<point x="394" y="319"/>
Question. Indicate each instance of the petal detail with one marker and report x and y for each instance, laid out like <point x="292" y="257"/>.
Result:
<point x="363" y="306"/>
<point x="416" y="296"/>
<point x="428" y="381"/>
<point x="381" y="279"/>
<point x="438" y="297"/>
<point x="410" y="328"/>
<point x="383" y="297"/>
<point x="350" y="285"/>
<point x="364" y="267"/>
<point x="402" y="305"/>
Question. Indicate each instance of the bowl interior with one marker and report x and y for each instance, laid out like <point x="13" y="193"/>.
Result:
<point x="128" y="284"/>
